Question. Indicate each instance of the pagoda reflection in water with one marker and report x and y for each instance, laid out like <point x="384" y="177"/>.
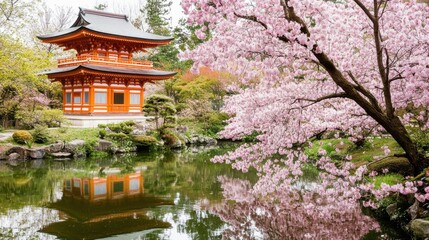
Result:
<point x="99" y="207"/>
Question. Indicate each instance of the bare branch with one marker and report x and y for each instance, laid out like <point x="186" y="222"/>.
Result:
<point x="314" y="101"/>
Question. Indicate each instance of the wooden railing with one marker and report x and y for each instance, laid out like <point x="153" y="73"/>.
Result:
<point x="103" y="60"/>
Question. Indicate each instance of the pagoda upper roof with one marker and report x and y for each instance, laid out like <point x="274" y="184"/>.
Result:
<point x="106" y="23"/>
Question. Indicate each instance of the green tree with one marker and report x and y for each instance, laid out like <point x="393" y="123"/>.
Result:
<point x="160" y="107"/>
<point x="158" y="16"/>
<point x="20" y="85"/>
<point x="101" y="6"/>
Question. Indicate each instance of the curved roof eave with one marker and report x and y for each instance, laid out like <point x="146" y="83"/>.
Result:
<point x="106" y="23"/>
<point x="114" y="70"/>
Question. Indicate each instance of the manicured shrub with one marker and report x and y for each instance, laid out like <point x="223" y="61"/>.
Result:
<point x="169" y="125"/>
<point x="101" y="125"/>
<point x="114" y="127"/>
<point x="102" y="133"/>
<point x="117" y="136"/>
<point x="169" y="139"/>
<point x="126" y="129"/>
<point x="129" y="123"/>
<point x="144" y="140"/>
<point x="22" y="137"/>
<point x="40" y="134"/>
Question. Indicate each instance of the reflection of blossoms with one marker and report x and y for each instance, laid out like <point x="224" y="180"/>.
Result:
<point x="289" y="214"/>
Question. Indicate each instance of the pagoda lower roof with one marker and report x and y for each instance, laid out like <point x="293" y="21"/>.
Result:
<point x="99" y="69"/>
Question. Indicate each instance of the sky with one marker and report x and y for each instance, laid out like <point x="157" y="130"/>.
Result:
<point x="128" y="7"/>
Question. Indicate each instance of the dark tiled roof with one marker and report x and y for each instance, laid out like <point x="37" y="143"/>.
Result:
<point x="118" y="70"/>
<point x="106" y="23"/>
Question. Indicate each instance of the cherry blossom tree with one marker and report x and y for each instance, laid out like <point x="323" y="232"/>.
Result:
<point x="313" y="65"/>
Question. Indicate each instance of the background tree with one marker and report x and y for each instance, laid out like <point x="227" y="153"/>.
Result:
<point x="20" y="85"/>
<point x="161" y="107"/>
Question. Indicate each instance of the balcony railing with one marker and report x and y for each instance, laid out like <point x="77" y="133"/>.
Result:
<point x="103" y="60"/>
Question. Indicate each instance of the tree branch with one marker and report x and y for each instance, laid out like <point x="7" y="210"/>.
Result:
<point x="314" y="101"/>
<point x="365" y="10"/>
<point x="365" y="92"/>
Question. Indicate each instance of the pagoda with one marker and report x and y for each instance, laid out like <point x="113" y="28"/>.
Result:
<point x="103" y="78"/>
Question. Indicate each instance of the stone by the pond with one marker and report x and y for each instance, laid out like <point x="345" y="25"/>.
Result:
<point x="103" y="145"/>
<point x="14" y="157"/>
<point x="399" y="165"/>
<point x="55" y="147"/>
<point x="36" y="153"/>
<point x="17" y="149"/>
<point x="71" y="146"/>
<point x="392" y="210"/>
<point x="414" y="210"/>
<point x="61" y="154"/>
<point x="420" y="228"/>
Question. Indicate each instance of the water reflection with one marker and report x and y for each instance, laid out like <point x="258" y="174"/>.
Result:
<point x="97" y="207"/>
<point x="146" y="196"/>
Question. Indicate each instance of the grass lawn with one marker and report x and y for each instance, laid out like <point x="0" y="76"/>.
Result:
<point x="69" y="134"/>
<point x="64" y="134"/>
<point x="341" y="147"/>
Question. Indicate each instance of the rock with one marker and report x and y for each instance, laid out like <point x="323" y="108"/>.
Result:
<point x="3" y="156"/>
<point x="414" y="210"/>
<point x="75" y="147"/>
<point x="20" y="150"/>
<point x="61" y="154"/>
<point x="103" y="145"/>
<point x="138" y="132"/>
<point x="420" y="228"/>
<point x="36" y="153"/>
<point x="14" y="157"/>
<point x="55" y="147"/>
<point x="399" y="165"/>
<point x="392" y="211"/>
<point x="74" y="144"/>
<point x="211" y="142"/>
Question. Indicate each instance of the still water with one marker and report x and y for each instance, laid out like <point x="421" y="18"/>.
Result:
<point x="166" y="195"/>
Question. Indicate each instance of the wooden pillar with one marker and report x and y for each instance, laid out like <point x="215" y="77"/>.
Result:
<point x="142" y="96"/>
<point x="91" y="95"/>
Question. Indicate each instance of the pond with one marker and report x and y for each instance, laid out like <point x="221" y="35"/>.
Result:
<point x="164" y="195"/>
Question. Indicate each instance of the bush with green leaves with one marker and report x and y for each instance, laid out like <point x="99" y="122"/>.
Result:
<point x="53" y="117"/>
<point x="114" y="127"/>
<point x="123" y="127"/>
<point x="160" y="107"/>
<point x="41" y="134"/>
<point x="129" y="123"/>
<point x="102" y="133"/>
<point x="22" y="137"/>
<point x="144" y="141"/>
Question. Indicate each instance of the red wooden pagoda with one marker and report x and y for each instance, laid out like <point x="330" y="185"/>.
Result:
<point x="103" y="77"/>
